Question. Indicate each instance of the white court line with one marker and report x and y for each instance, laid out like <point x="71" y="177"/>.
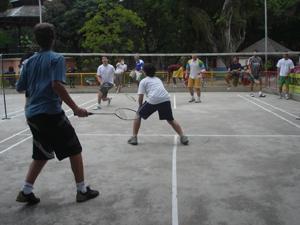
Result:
<point x="193" y="135"/>
<point x="174" y="102"/>
<point x="275" y="107"/>
<point x="16" y="144"/>
<point x="269" y="111"/>
<point x="174" y="184"/>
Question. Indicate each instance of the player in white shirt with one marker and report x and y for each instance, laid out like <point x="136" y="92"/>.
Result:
<point x="195" y="69"/>
<point x="284" y="67"/>
<point x="158" y="99"/>
<point x="105" y="77"/>
<point x="121" y="68"/>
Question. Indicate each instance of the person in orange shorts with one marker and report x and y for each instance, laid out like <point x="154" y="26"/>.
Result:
<point x="194" y="70"/>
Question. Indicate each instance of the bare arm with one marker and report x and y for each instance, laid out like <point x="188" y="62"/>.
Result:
<point x="140" y="100"/>
<point x="99" y="79"/>
<point x="60" y="90"/>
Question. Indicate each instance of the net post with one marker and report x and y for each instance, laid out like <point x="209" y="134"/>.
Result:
<point x="3" y="88"/>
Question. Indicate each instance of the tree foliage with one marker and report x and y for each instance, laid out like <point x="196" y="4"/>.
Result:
<point x="170" y="25"/>
<point x="4" y="4"/>
<point x="112" y="29"/>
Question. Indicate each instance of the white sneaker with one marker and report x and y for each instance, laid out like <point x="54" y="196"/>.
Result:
<point x="287" y="96"/>
<point x="97" y="107"/>
<point x="228" y="88"/>
<point x="261" y="95"/>
<point x="252" y="95"/>
<point x="198" y="100"/>
<point x="192" y="99"/>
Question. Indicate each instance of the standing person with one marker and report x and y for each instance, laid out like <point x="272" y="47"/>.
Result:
<point x="171" y="73"/>
<point x="284" y="67"/>
<point x="137" y="73"/>
<point x="42" y="79"/>
<point x="121" y="68"/>
<point x="105" y="78"/>
<point x="255" y="67"/>
<point x="194" y="69"/>
<point x="158" y="99"/>
<point x="234" y="72"/>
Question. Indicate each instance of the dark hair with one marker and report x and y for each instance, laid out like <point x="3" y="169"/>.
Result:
<point x="149" y="69"/>
<point x="44" y="35"/>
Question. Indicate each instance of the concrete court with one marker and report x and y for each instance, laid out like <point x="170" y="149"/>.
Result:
<point x="242" y="166"/>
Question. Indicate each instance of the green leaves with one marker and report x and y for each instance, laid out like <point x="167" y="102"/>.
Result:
<point x="112" y="29"/>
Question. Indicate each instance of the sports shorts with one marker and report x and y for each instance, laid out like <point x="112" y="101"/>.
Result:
<point x="53" y="134"/>
<point x="283" y="80"/>
<point x="105" y="87"/>
<point x="194" y="83"/>
<point x="164" y="110"/>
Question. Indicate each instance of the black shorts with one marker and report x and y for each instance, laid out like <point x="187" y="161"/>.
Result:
<point x="104" y="88"/>
<point x="164" y="110"/>
<point x="53" y="134"/>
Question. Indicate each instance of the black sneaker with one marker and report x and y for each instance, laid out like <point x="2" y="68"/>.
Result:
<point x="89" y="194"/>
<point x="29" y="198"/>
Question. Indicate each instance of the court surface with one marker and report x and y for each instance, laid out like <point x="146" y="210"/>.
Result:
<point x="242" y="166"/>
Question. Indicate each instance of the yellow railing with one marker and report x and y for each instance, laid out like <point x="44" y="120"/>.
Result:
<point x="211" y="78"/>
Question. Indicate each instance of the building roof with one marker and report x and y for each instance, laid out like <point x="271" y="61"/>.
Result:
<point x="273" y="46"/>
<point x="23" y="15"/>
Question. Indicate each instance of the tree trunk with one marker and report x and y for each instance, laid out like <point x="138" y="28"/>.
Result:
<point x="232" y="35"/>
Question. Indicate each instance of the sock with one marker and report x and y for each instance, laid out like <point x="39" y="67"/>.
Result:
<point x="81" y="187"/>
<point x="27" y="188"/>
<point x="259" y="93"/>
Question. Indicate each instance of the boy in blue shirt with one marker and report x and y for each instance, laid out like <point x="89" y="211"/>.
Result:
<point x="42" y="79"/>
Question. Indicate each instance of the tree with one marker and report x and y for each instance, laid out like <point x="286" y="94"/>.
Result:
<point x="112" y="29"/>
<point x="68" y="18"/>
<point x="4" y="4"/>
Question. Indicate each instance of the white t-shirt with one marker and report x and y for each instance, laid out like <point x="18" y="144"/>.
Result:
<point x="121" y="68"/>
<point x="154" y="90"/>
<point x="106" y="73"/>
<point x="285" y="66"/>
<point x="195" y="67"/>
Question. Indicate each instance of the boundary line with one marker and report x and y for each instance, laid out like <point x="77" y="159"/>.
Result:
<point x="270" y="111"/>
<point x="174" y="184"/>
<point x="16" y="144"/>
<point x="275" y="107"/>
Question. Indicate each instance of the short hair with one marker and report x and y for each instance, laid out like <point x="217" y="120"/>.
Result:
<point x="149" y="69"/>
<point x="44" y="34"/>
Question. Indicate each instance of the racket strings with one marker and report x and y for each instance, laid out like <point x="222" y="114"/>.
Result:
<point x="122" y="114"/>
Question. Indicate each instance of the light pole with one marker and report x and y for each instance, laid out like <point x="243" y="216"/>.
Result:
<point x="266" y="33"/>
<point x="40" y="11"/>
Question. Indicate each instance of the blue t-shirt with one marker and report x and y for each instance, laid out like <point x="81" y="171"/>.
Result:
<point x="139" y="65"/>
<point x="36" y="80"/>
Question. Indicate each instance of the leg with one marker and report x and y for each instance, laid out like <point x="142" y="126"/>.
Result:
<point x="35" y="168"/>
<point x="77" y="167"/>
<point x="26" y="195"/>
<point x="136" y="126"/>
<point x="175" y="125"/>
<point x="227" y="80"/>
<point x="99" y="97"/>
<point x="135" y="130"/>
